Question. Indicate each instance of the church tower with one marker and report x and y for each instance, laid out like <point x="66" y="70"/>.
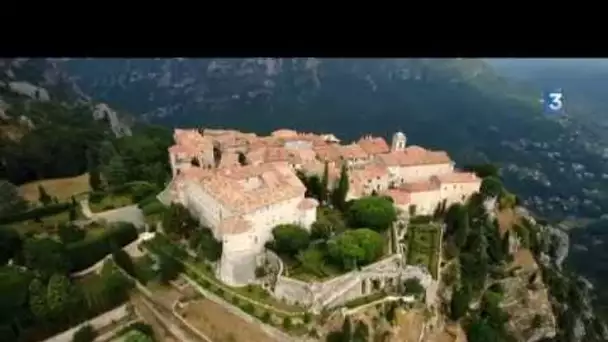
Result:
<point x="398" y="143"/>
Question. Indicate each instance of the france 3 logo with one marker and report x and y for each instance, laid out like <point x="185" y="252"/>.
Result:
<point x="553" y="102"/>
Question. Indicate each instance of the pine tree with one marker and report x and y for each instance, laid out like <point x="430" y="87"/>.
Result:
<point x="43" y="196"/>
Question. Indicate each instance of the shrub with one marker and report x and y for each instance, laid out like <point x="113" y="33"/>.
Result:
<point x="421" y="219"/>
<point x="307" y="318"/>
<point x="124" y="261"/>
<point x="249" y="308"/>
<point x="141" y="191"/>
<point x="85" y="334"/>
<point x="266" y="317"/>
<point x="144" y="202"/>
<point x="144" y="328"/>
<point x="69" y="233"/>
<point x="85" y="253"/>
<point x="153" y="208"/>
<point x="287" y="324"/>
<point x="96" y="196"/>
<point x="36" y="213"/>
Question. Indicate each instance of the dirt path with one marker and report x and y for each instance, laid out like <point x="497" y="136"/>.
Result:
<point x="160" y="332"/>
<point x="220" y="325"/>
<point x="409" y="326"/>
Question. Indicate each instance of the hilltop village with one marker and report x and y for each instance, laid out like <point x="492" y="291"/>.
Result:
<point x="241" y="185"/>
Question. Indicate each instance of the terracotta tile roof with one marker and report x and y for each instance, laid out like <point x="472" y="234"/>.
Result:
<point x="327" y="153"/>
<point x="372" y="145"/>
<point x="422" y="186"/>
<point x="372" y="171"/>
<point x="256" y="156"/>
<point x="235" y="225"/>
<point x="399" y="197"/>
<point x="305" y="155"/>
<point x="244" y="189"/>
<point x="414" y="155"/>
<point x="458" y="177"/>
<point x="308" y="203"/>
<point x="318" y="167"/>
<point x="275" y="154"/>
<point x="284" y="133"/>
<point x="190" y="138"/>
<point x="183" y="149"/>
<point x="360" y="178"/>
<point x="352" y="151"/>
<point x="229" y="160"/>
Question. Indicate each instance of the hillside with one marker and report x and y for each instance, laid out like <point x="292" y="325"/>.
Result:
<point x="46" y="122"/>
<point x="583" y="82"/>
<point x="456" y="104"/>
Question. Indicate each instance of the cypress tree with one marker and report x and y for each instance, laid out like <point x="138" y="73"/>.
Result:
<point x="339" y="193"/>
<point x="324" y="183"/>
<point x="43" y="196"/>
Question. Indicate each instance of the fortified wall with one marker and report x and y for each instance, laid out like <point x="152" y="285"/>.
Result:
<point x="344" y="288"/>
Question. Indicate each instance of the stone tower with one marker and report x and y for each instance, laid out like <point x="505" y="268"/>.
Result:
<point x="398" y="143"/>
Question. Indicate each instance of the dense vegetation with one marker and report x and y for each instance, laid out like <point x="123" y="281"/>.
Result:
<point x="55" y="146"/>
<point x="345" y="236"/>
<point x="484" y="258"/>
<point x="40" y="295"/>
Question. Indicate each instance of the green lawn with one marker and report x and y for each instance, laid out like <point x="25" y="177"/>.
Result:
<point x="423" y="246"/>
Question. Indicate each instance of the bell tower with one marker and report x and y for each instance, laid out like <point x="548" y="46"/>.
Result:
<point x="398" y="143"/>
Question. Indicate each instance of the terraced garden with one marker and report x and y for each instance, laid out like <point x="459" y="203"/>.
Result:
<point x="423" y="246"/>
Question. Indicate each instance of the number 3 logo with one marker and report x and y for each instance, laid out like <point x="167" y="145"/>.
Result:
<point x="556" y="102"/>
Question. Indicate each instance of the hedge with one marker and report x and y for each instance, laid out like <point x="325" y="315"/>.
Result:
<point x="36" y="213"/>
<point x="154" y="207"/>
<point x="84" y="254"/>
<point x="146" y="201"/>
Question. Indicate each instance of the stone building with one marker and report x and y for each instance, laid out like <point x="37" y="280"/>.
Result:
<point x="241" y="185"/>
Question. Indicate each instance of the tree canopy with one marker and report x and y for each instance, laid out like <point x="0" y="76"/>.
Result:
<point x="10" y="200"/>
<point x="46" y="256"/>
<point x="491" y="187"/>
<point x="356" y="247"/>
<point x="289" y="239"/>
<point x="373" y="212"/>
<point x="10" y="244"/>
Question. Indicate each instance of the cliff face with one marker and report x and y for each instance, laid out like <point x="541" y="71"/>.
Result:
<point x="527" y="301"/>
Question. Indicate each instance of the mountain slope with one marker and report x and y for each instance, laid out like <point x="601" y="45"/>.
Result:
<point x="459" y="105"/>
<point x="46" y="123"/>
<point x="583" y="82"/>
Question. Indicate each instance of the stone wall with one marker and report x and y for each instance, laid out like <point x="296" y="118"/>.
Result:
<point x="293" y="290"/>
<point x="339" y="290"/>
<point x="98" y="322"/>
